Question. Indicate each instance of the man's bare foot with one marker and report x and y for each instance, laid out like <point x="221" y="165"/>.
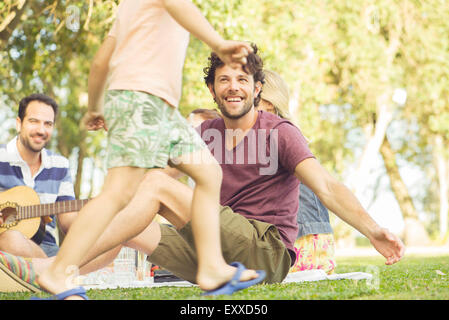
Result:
<point x="211" y="278"/>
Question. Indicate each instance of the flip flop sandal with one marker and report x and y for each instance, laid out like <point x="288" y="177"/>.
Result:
<point x="235" y="284"/>
<point x="78" y="291"/>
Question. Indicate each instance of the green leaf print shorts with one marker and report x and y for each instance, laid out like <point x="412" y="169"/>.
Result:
<point x="144" y="131"/>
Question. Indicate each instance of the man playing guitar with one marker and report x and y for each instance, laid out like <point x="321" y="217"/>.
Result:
<point x="25" y="161"/>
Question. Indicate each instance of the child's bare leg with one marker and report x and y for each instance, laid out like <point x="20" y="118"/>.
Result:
<point x="119" y="187"/>
<point x="157" y="193"/>
<point x="213" y="270"/>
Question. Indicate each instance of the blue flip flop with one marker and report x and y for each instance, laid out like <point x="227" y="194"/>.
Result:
<point x="235" y="284"/>
<point x="78" y="291"/>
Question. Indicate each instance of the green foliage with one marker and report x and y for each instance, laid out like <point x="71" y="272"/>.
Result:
<point x="338" y="58"/>
<point x="51" y="53"/>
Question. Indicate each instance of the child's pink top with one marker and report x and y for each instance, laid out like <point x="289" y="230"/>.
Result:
<point x="150" y="50"/>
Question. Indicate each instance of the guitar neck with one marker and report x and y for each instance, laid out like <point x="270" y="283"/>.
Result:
<point x="48" y="209"/>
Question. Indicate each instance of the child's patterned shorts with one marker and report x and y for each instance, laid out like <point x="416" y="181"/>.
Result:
<point x="144" y="131"/>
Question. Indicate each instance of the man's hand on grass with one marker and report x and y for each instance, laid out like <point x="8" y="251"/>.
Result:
<point x="388" y="245"/>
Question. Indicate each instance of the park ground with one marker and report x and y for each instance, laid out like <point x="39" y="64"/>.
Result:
<point x="423" y="274"/>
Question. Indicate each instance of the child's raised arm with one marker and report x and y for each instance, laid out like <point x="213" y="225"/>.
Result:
<point x="233" y="53"/>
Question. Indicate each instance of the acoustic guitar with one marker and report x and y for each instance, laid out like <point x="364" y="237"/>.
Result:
<point x="21" y="210"/>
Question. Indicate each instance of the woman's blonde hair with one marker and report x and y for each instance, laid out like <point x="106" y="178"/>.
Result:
<point x="275" y="91"/>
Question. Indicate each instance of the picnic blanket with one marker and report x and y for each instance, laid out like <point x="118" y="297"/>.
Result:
<point x="294" y="277"/>
<point x="318" y="274"/>
<point x="10" y="282"/>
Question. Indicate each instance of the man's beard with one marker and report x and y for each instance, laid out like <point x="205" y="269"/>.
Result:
<point x="28" y="145"/>
<point x="248" y="105"/>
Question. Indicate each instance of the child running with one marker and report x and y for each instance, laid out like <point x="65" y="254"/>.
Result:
<point x="142" y="59"/>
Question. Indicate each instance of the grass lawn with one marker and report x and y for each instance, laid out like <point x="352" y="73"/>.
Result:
<point x="415" y="277"/>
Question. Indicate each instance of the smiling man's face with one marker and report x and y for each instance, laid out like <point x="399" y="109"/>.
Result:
<point x="234" y="91"/>
<point x="36" y="129"/>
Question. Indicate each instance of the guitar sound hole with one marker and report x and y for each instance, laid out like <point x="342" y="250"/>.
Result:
<point x="9" y="215"/>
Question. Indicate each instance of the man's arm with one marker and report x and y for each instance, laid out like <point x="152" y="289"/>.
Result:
<point x="340" y="200"/>
<point x="98" y="74"/>
<point x="190" y="18"/>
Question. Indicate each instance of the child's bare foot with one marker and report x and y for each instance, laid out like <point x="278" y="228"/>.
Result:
<point x="57" y="283"/>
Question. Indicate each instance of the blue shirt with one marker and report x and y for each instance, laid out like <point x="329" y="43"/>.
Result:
<point x="52" y="182"/>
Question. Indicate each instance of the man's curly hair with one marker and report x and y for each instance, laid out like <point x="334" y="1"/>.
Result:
<point x="254" y="66"/>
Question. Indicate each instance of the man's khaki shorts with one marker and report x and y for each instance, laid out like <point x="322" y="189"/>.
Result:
<point x="254" y="243"/>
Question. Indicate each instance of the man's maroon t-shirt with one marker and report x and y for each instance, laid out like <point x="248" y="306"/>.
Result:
<point x="258" y="174"/>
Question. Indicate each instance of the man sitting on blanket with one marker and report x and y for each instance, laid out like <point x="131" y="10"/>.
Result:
<point x="263" y="158"/>
<point x="25" y="161"/>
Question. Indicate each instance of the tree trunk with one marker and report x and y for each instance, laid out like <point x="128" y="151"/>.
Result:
<point x="79" y="169"/>
<point x="375" y="134"/>
<point x="92" y="181"/>
<point x="11" y="21"/>
<point x="443" y="185"/>
<point x="414" y="232"/>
